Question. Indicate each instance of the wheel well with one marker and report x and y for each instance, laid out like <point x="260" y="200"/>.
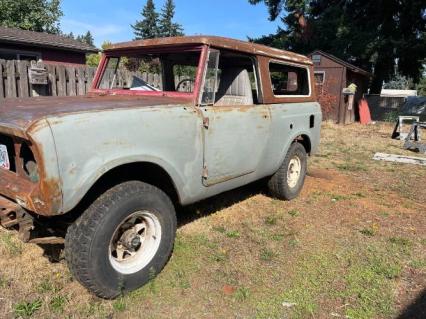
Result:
<point x="142" y="171"/>
<point x="305" y="141"/>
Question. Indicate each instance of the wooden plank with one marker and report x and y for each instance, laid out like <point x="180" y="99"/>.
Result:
<point x="24" y="87"/>
<point x="2" y="69"/>
<point x="81" y="88"/>
<point x="62" y="81"/>
<point x="90" y="74"/>
<point x="51" y="74"/>
<point x="10" y="79"/>
<point x="71" y="85"/>
<point x="400" y="159"/>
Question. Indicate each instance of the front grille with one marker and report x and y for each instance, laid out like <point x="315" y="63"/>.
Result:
<point x="10" y="145"/>
<point x="21" y="157"/>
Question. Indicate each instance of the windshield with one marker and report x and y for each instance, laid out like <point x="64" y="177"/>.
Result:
<point x="169" y="72"/>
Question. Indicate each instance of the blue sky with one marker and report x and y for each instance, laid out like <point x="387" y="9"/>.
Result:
<point x="110" y="20"/>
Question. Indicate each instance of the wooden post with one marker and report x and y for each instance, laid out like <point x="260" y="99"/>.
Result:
<point x="23" y="79"/>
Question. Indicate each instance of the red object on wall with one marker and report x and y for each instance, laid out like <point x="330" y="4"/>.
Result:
<point x="364" y="112"/>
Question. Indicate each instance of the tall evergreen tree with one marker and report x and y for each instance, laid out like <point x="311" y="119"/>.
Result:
<point x="33" y="15"/>
<point x="168" y="28"/>
<point x="147" y="28"/>
<point x="86" y="38"/>
<point x="370" y="34"/>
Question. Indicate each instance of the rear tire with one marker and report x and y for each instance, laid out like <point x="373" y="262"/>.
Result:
<point x="122" y="240"/>
<point x="288" y="181"/>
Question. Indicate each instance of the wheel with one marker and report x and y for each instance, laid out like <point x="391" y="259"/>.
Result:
<point x="288" y="181"/>
<point x="122" y="240"/>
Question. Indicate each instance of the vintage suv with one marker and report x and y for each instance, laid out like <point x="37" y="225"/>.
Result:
<point x="113" y="165"/>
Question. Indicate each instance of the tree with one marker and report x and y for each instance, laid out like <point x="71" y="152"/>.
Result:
<point x="370" y="34"/>
<point x="33" y="15"/>
<point x="399" y="82"/>
<point x="94" y="58"/>
<point x="86" y="38"/>
<point x="167" y="28"/>
<point x="421" y="87"/>
<point x="147" y="28"/>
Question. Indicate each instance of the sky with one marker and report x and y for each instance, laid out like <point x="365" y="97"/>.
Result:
<point x="110" y="20"/>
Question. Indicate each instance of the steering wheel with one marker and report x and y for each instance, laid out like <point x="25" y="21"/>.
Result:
<point x="182" y="82"/>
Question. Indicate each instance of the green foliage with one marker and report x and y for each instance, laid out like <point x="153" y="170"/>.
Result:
<point x="34" y="15"/>
<point x="167" y="28"/>
<point x="399" y="82"/>
<point x="147" y="28"/>
<point x="365" y="33"/>
<point x="267" y="254"/>
<point x="391" y="116"/>
<point x="421" y="87"/>
<point x="57" y="303"/>
<point x="86" y="38"/>
<point x="27" y="309"/>
<point x="242" y="294"/>
<point x="155" y="25"/>
<point x="233" y="234"/>
<point x="119" y="305"/>
<point x="93" y="59"/>
<point x="294" y="213"/>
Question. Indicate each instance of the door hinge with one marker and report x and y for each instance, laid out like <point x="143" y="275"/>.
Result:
<point x="205" y="172"/>
<point x="206" y="122"/>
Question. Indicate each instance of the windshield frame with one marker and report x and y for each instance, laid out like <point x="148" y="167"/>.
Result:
<point x="190" y="96"/>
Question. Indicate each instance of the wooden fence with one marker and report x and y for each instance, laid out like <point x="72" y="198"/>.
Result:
<point x="381" y="106"/>
<point x="66" y="80"/>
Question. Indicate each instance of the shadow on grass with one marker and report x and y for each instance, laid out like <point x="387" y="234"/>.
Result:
<point x="417" y="310"/>
<point x="191" y="213"/>
<point x="185" y="214"/>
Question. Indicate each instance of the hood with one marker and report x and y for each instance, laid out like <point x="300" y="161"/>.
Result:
<point x="20" y="114"/>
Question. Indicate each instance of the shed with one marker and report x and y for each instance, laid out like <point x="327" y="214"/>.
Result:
<point x="332" y="75"/>
<point x="17" y="44"/>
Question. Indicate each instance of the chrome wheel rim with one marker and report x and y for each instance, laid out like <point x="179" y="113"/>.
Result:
<point x="293" y="172"/>
<point x="135" y="242"/>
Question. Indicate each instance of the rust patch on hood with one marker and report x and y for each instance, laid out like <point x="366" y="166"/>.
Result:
<point x="20" y="114"/>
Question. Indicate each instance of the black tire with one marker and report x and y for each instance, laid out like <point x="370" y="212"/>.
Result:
<point x="278" y="184"/>
<point x="87" y="243"/>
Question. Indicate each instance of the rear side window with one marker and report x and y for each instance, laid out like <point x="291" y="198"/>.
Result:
<point x="289" y="80"/>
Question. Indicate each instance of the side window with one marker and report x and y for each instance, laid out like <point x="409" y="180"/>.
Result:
<point x="237" y="80"/>
<point x="289" y="80"/>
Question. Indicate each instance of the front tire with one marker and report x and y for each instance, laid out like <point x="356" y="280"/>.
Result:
<point x="288" y="181"/>
<point x="122" y="240"/>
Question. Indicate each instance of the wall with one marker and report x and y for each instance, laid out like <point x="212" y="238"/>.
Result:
<point x="334" y="82"/>
<point x="49" y="55"/>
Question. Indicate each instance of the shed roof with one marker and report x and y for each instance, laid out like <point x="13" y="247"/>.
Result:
<point x="214" y="41"/>
<point x="41" y="39"/>
<point x="349" y="66"/>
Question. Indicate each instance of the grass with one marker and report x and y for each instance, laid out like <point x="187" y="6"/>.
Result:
<point x="369" y="232"/>
<point x="347" y="246"/>
<point x="267" y="254"/>
<point x="27" y="309"/>
<point x="57" y="304"/>
<point x="11" y="244"/>
<point x="294" y="213"/>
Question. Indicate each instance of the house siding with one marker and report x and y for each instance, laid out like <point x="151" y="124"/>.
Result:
<point x="49" y="55"/>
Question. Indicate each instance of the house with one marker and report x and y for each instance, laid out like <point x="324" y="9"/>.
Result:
<point x="17" y="44"/>
<point x="332" y="76"/>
